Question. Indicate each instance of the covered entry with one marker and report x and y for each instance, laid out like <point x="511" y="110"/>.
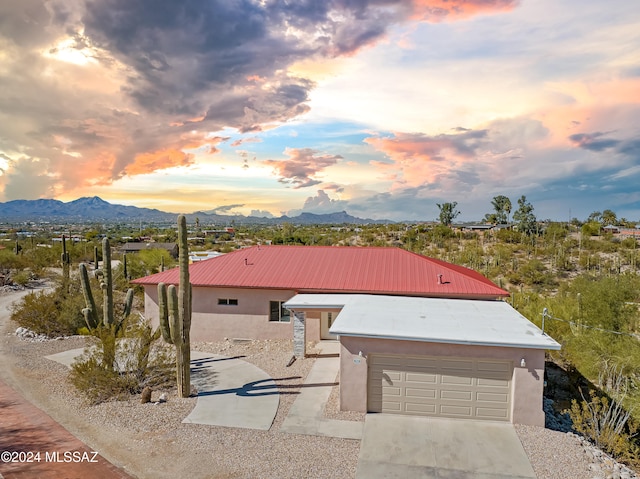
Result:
<point x="436" y="386"/>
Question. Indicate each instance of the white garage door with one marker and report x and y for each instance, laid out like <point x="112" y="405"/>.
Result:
<point x="447" y="387"/>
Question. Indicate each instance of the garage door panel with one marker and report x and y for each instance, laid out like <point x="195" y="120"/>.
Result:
<point x="389" y="391"/>
<point x="494" y="414"/>
<point x="500" y="366"/>
<point x="448" y="387"/>
<point x="456" y="411"/>
<point x="431" y="378"/>
<point x="456" y="395"/>
<point x="390" y="406"/>
<point x="421" y="409"/>
<point x="495" y="382"/>
<point x="462" y="364"/>
<point x="425" y="363"/>
<point x="420" y="393"/>
<point x="462" y="380"/>
<point x="493" y="397"/>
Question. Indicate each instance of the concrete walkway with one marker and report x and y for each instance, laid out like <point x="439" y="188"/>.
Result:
<point x="306" y="415"/>
<point x="231" y="392"/>
<point x="395" y="446"/>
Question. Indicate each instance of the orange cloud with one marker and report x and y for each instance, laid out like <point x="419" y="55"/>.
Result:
<point x="418" y="157"/>
<point x="158" y="160"/>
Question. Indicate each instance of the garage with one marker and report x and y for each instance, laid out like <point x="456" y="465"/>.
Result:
<point x="443" y="357"/>
<point x="445" y="387"/>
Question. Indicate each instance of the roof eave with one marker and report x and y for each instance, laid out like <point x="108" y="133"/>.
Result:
<point x="554" y="346"/>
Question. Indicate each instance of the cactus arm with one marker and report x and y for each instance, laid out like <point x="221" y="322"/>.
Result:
<point x="174" y="315"/>
<point x="91" y="316"/>
<point x="128" y="303"/>
<point x="163" y="313"/>
<point x="108" y="283"/>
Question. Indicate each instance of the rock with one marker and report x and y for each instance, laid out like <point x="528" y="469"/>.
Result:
<point x="145" y="397"/>
<point x="162" y="398"/>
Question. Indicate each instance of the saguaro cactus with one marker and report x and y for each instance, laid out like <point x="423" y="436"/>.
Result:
<point x="106" y="284"/>
<point x="175" y="313"/>
<point x="65" y="258"/>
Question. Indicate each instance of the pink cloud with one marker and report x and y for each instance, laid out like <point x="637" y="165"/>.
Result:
<point x="302" y="166"/>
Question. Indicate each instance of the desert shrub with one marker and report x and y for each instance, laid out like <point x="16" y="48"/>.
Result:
<point x="21" y="278"/>
<point x="53" y="313"/>
<point x="604" y="419"/>
<point x="123" y="363"/>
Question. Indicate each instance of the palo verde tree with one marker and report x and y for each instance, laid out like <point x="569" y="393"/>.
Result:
<point x="501" y="210"/>
<point x="524" y="219"/>
<point x="448" y="212"/>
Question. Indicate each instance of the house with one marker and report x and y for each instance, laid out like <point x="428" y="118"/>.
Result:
<point x="241" y="294"/>
<point x="418" y="335"/>
<point x="132" y="247"/>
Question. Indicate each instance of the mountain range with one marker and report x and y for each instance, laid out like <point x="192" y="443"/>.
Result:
<point x="91" y="209"/>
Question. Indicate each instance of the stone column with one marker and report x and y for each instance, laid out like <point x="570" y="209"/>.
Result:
<point x="299" y="336"/>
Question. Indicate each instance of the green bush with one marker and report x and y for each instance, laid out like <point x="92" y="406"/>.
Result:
<point x="21" y="278"/>
<point x="53" y="313"/>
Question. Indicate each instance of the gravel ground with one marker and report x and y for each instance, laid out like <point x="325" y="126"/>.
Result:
<point x="151" y="441"/>
<point x="554" y="454"/>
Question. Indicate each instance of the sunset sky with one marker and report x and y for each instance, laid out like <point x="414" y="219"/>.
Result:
<point x="381" y="108"/>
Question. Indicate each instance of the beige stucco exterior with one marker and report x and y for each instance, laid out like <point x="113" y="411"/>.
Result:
<point x="527" y="382"/>
<point x="249" y="319"/>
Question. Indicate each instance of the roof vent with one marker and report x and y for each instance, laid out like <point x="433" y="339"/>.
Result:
<point x="440" y="279"/>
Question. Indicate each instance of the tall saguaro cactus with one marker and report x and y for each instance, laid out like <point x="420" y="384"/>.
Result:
<point x="65" y="258"/>
<point x="175" y="313"/>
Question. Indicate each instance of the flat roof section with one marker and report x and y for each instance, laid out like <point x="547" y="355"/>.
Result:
<point x="438" y="320"/>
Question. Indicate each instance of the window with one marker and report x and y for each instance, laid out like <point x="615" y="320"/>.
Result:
<point x="227" y="301"/>
<point x="278" y="313"/>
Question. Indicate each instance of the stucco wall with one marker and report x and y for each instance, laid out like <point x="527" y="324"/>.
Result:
<point x="526" y="385"/>
<point x="214" y="322"/>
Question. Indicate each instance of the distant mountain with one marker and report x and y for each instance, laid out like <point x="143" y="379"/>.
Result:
<point x="91" y="209"/>
<point x="85" y="209"/>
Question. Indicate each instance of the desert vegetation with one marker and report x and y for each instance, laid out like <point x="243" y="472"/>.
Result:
<point x="578" y="280"/>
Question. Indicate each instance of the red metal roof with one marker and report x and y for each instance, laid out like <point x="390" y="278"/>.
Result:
<point x="335" y="269"/>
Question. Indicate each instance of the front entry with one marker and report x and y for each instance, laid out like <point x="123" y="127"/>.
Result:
<point x="326" y="320"/>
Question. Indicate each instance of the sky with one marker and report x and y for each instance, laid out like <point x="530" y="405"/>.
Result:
<point x="381" y="108"/>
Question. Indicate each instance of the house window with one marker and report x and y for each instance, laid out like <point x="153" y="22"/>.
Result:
<point x="227" y="301"/>
<point x="278" y="313"/>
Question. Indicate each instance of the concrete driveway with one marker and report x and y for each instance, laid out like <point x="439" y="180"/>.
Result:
<point x="403" y="447"/>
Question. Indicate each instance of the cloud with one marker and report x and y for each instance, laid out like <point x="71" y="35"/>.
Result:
<point x="593" y="141"/>
<point x="418" y="158"/>
<point x="261" y="214"/>
<point x="302" y="166"/>
<point x="319" y="204"/>
<point x="98" y="90"/>
<point x="224" y="209"/>
<point x="26" y="179"/>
